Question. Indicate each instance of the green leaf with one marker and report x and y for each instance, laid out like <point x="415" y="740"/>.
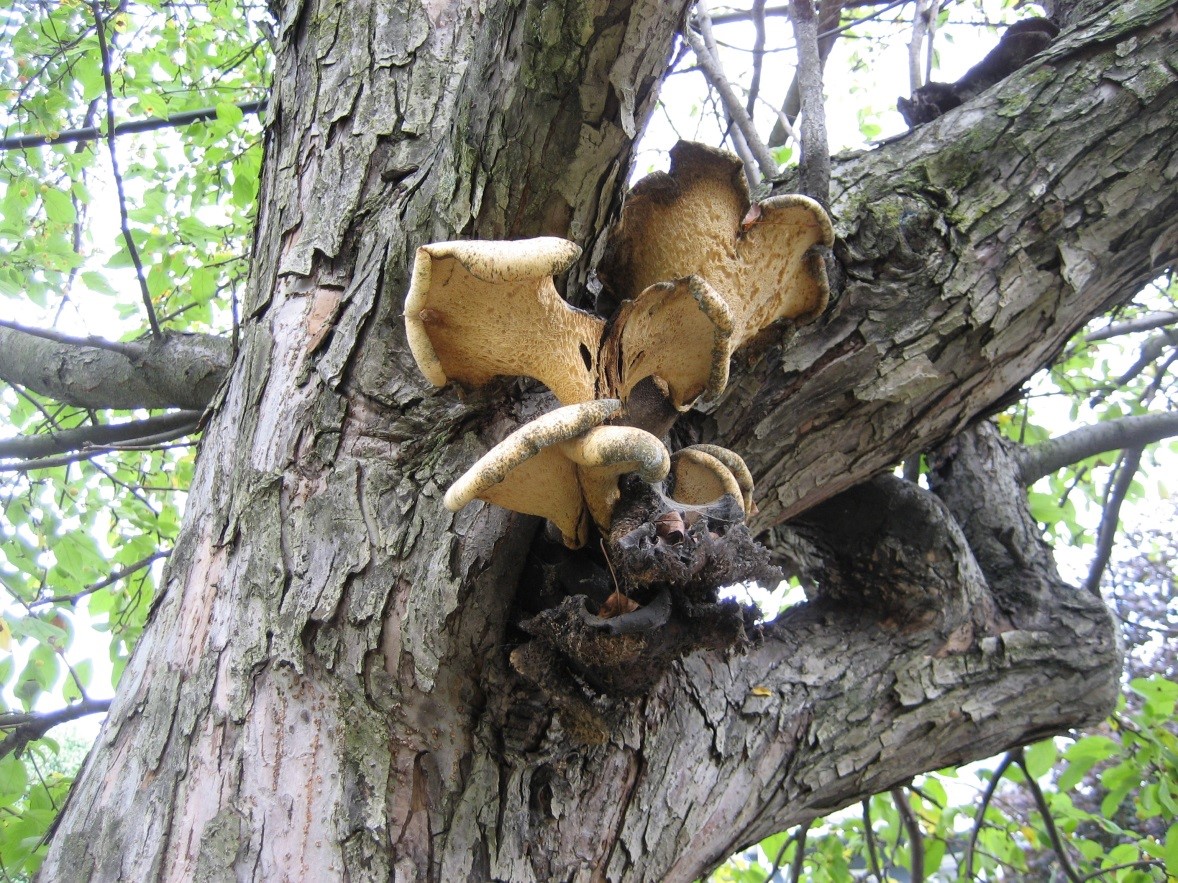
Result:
<point x="1040" y="758"/>
<point x="1159" y="694"/>
<point x="229" y="113"/>
<point x="1171" y="850"/>
<point x="13" y="779"/>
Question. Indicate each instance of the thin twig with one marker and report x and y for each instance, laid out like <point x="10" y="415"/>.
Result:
<point x="795" y="867"/>
<point x="711" y="69"/>
<point x="987" y="796"/>
<point x="869" y="839"/>
<point x="1146" y="863"/>
<point x="915" y="837"/>
<point x="1110" y="518"/>
<point x="920" y="19"/>
<point x="930" y="39"/>
<point x="115" y="577"/>
<point x="1148" y="322"/>
<point x="111" y="136"/>
<point x="758" y="55"/>
<point x="149" y="124"/>
<point x="1048" y="820"/>
<point x="777" y="859"/>
<point x="150" y="443"/>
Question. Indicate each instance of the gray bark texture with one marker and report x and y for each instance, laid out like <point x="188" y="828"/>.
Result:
<point x="324" y="690"/>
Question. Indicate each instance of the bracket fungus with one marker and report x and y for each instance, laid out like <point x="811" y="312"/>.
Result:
<point x="764" y="259"/>
<point x="696" y="270"/>
<point x="564" y="466"/>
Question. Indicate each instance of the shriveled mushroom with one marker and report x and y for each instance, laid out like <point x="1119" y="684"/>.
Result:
<point x="697" y="219"/>
<point x="565" y="467"/>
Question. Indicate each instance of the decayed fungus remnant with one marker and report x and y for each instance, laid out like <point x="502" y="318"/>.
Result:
<point x="696" y="272"/>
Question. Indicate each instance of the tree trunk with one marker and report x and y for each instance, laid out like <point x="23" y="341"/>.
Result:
<point x="324" y="692"/>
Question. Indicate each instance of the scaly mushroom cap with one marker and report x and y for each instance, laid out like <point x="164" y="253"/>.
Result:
<point x="697" y="220"/>
<point x="677" y="331"/>
<point x="701" y="474"/>
<point x="563" y="466"/>
<point x="478" y="310"/>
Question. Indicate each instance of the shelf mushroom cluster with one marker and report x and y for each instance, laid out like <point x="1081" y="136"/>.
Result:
<point x="699" y="272"/>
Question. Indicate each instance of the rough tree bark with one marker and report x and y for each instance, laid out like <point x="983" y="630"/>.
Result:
<point x="323" y="691"/>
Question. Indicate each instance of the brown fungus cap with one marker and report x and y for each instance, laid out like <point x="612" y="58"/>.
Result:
<point x="763" y="259"/>
<point x="701" y="474"/>
<point x="699" y="478"/>
<point x="478" y="310"/>
<point x="677" y="331"/>
<point x="563" y="466"/>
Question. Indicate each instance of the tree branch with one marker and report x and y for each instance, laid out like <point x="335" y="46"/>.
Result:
<point x="1088" y="441"/>
<point x="983" y="805"/>
<point x="711" y="69"/>
<point x="1148" y="322"/>
<point x="1110" y="517"/>
<point x="112" y="149"/>
<point x="814" y="168"/>
<point x="1048" y="820"/>
<point x="177" y="371"/>
<point x="150" y="124"/>
<point x="115" y="577"/>
<point x="915" y="838"/>
<point x="52" y="443"/>
<point x="34" y="725"/>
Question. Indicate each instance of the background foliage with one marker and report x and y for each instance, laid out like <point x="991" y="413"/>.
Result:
<point x="104" y="236"/>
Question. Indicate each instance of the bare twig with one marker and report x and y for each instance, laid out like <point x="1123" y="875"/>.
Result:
<point x="703" y="20"/>
<point x="930" y="39"/>
<point x="758" y="12"/>
<point x="1148" y="863"/>
<point x="1048" y="821"/>
<point x="1110" y="517"/>
<point x="915" y="837"/>
<point x="1150" y="351"/>
<point x="814" y="167"/>
<point x="726" y="18"/>
<point x="869" y="839"/>
<point x="795" y="867"/>
<point x="34" y="725"/>
<point x="53" y="443"/>
<point x="149" y="443"/>
<point x="710" y="67"/>
<point x="150" y="124"/>
<point x="1087" y="441"/>
<point x="920" y="22"/>
<point x="979" y="817"/>
<point x="115" y="577"/>
<point x="111" y="148"/>
<point x="780" y="855"/>
<point x="830" y="13"/>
